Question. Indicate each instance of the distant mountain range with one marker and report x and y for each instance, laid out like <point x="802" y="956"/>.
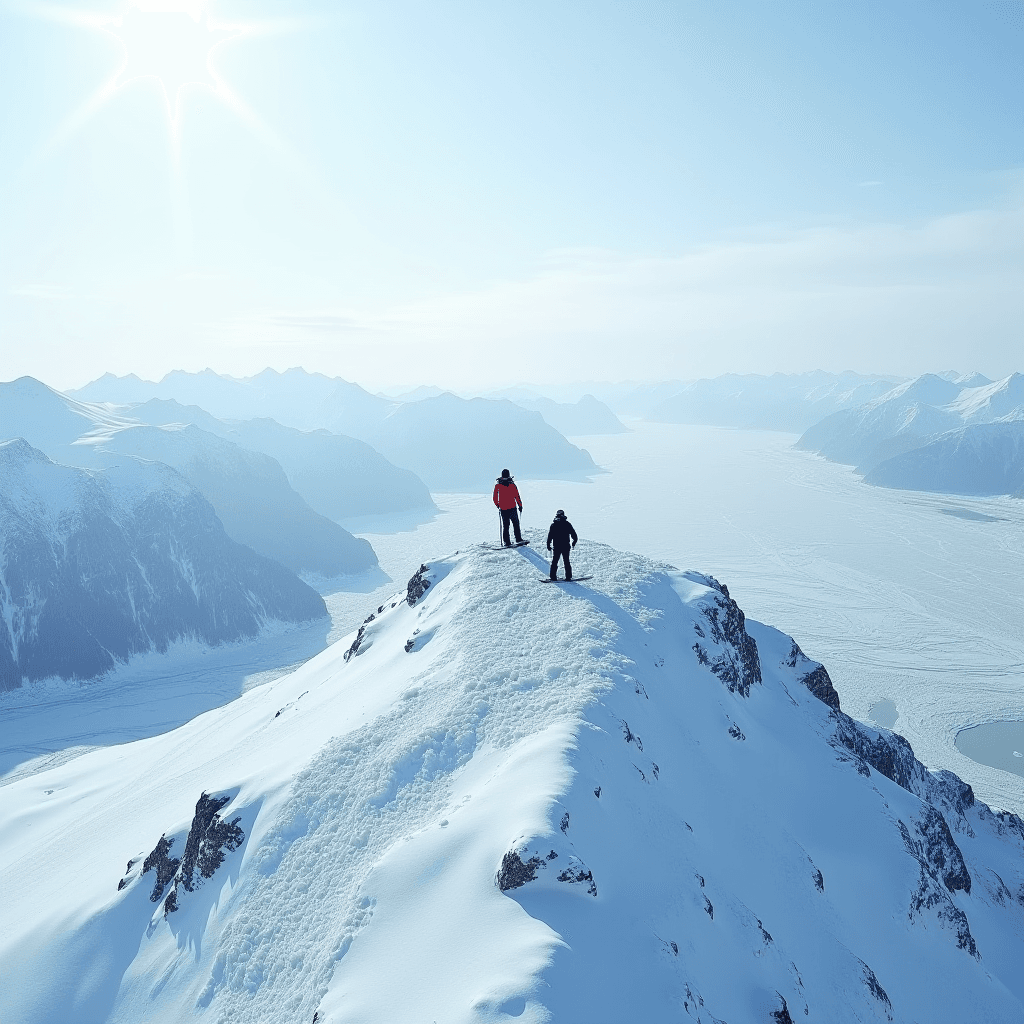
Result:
<point x="451" y="443"/>
<point x="97" y="566"/>
<point x="340" y="477"/>
<point x="587" y="415"/>
<point x="248" y="490"/>
<point x="789" y="402"/>
<point x="935" y="433"/>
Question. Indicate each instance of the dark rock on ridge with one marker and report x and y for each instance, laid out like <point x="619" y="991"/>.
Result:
<point x="815" y="677"/>
<point x="738" y="665"/>
<point x="931" y="854"/>
<point x="889" y="753"/>
<point x="164" y="866"/>
<point x="515" y="872"/>
<point x="417" y="586"/>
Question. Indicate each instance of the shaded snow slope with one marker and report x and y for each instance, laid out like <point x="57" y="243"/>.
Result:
<point x="252" y="496"/>
<point x="980" y="458"/>
<point x="500" y="800"/>
<point x="887" y="438"/>
<point x="96" y="567"/>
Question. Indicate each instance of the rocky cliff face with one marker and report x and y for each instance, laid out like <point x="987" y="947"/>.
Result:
<point x="98" y="566"/>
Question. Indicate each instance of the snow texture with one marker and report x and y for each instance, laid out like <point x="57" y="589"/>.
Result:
<point x="551" y="807"/>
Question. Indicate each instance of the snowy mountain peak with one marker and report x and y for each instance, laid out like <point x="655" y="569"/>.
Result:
<point x="617" y="800"/>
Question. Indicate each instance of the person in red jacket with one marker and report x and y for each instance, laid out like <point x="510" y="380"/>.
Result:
<point x="509" y="504"/>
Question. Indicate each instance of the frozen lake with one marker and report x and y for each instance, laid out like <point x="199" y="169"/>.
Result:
<point x="909" y="599"/>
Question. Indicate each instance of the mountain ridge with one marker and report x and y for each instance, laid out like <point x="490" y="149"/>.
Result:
<point x="501" y="800"/>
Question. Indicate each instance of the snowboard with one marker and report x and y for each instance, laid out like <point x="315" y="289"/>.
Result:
<point x="575" y="579"/>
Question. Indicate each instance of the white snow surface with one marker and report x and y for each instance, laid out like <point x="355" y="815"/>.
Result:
<point x="379" y="793"/>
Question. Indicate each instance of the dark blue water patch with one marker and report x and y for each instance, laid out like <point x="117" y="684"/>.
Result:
<point x="969" y="513"/>
<point x="996" y="744"/>
<point x="883" y="713"/>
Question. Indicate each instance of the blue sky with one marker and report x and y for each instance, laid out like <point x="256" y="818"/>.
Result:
<point x="469" y="193"/>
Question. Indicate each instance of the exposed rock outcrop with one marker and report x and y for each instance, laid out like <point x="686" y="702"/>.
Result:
<point x="736" y="661"/>
<point x="210" y="837"/>
<point x="417" y="586"/>
<point x="814" y="676"/>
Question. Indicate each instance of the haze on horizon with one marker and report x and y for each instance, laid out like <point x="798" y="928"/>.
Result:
<point x="473" y="195"/>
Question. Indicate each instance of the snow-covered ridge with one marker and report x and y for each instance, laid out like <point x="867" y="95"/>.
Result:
<point x="499" y="800"/>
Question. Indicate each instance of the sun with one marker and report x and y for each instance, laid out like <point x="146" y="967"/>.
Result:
<point x="170" y="42"/>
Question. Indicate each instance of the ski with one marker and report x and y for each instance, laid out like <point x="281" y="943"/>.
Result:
<point x="575" y="579"/>
<point x="501" y="547"/>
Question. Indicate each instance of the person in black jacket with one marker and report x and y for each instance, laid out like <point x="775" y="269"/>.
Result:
<point x="559" y="534"/>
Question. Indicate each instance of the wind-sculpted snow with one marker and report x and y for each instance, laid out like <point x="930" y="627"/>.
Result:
<point x="546" y="808"/>
<point x="96" y="567"/>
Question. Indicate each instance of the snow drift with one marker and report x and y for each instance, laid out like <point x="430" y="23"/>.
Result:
<point x="500" y="800"/>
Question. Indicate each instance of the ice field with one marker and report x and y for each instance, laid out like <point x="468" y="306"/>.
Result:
<point x="907" y="598"/>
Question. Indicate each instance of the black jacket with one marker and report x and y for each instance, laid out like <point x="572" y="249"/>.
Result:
<point x="559" y="533"/>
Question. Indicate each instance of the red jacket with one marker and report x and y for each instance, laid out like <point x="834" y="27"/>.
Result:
<point x="507" y="496"/>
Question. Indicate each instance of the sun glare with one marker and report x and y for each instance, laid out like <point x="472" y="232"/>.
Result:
<point x="169" y="42"/>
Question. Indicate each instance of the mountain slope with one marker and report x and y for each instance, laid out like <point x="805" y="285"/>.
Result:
<point x="340" y="477"/>
<point x="96" y="567"/>
<point x="929" y="434"/>
<point x="455" y="444"/>
<point x="900" y="420"/>
<point x="621" y="801"/>
<point x="587" y="416"/>
<point x="252" y="497"/>
<point x="980" y="458"/>
<point x="249" y="490"/>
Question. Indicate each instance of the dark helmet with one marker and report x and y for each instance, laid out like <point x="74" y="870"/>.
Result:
<point x="559" y="514"/>
<point x="505" y="472"/>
